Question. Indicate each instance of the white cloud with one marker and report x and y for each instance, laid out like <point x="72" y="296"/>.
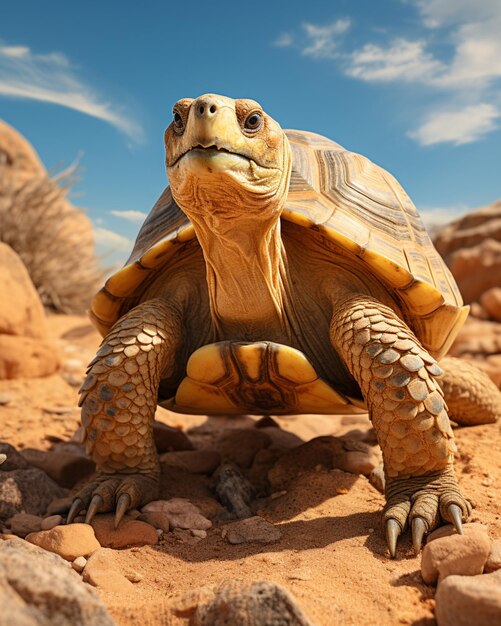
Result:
<point x="323" y="40"/>
<point x="435" y="217"/>
<point x="110" y="240"/>
<point x="458" y="127"/>
<point x="403" y="60"/>
<point x="439" y="13"/>
<point x="132" y="216"/>
<point x="51" y="78"/>
<point x="284" y="40"/>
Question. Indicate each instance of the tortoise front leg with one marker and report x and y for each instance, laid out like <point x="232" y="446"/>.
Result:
<point x="118" y="399"/>
<point x="397" y="379"/>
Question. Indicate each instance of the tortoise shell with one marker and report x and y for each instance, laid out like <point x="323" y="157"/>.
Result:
<point x="342" y="197"/>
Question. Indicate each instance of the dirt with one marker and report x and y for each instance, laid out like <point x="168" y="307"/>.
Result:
<point x="332" y="554"/>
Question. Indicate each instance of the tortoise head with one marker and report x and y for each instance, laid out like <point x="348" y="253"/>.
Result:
<point x="226" y="158"/>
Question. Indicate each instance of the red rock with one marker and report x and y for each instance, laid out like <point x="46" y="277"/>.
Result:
<point x="129" y="532"/>
<point x="240" y="445"/>
<point x="65" y="469"/>
<point x="68" y="541"/>
<point x="494" y="559"/>
<point x="491" y="303"/>
<point x="168" y="438"/>
<point x="252" y="530"/>
<point x="51" y="522"/>
<point x="193" y="461"/>
<point x="22" y="524"/>
<point x="102" y="570"/>
<point x="456" y="554"/>
<point x="157" y="519"/>
<point x="180" y="512"/>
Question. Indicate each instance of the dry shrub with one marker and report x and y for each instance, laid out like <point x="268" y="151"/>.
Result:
<point x="53" y="238"/>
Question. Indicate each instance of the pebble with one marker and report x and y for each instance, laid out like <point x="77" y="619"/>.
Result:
<point x="21" y="524"/>
<point x="168" y="438"/>
<point x="65" y="469"/>
<point x="102" y="570"/>
<point x="252" y="530"/>
<point x="157" y="519"/>
<point x="467" y="600"/>
<point x="180" y="512"/>
<point x="79" y="563"/>
<point x="455" y="554"/>
<point x="201" y="534"/>
<point x="192" y="461"/>
<point x="51" y="521"/>
<point x="240" y="445"/>
<point x="494" y="559"/>
<point x="3" y="458"/>
<point x="68" y="541"/>
<point x="129" y="533"/>
<point x="134" y="577"/>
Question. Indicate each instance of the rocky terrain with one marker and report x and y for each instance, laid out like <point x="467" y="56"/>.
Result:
<point x="260" y="520"/>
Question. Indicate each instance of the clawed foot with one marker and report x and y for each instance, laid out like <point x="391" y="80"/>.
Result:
<point x="118" y="492"/>
<point x="423" y="502"/>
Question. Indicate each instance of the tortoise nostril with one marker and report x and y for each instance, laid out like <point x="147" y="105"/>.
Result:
<point x="213" y="108"/>
<point x="201" y="109"/>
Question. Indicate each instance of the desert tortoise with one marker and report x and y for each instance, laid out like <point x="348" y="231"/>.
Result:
<point x="279" y="273"/>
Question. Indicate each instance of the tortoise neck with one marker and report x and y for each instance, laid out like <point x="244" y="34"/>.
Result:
<point x="246" y="276"/>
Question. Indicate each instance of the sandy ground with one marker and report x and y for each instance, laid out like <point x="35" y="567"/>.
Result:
<point x="332" y="555"/>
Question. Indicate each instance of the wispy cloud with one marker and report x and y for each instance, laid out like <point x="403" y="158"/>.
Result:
<point x="51" y="78"/>
<point x="284" y="40"/>
<point x="466" y="84"/>
<point x="458" y="127"/>
<point x="131" y="216"/>
<point x="110" y="241"/>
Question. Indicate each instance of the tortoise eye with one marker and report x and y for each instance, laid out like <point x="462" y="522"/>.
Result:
<point x="178" y="121"/>
<point x="254" y="121"/>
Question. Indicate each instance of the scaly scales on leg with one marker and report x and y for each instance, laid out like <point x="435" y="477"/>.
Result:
<point x="118" y="400"/>
<point x="398" y="381"/>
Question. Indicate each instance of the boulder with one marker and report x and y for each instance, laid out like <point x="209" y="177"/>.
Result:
<point x="491" y="303"/>
<point x="38" y="588"/>
<point x="69" y="541"/>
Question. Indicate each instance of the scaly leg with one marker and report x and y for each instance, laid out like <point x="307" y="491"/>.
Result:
<point x="470" y="394"/>
<point x="397" y="379"/>
<point x="118" y="399"/>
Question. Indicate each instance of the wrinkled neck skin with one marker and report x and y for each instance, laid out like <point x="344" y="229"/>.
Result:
<point x="239" y="232"/>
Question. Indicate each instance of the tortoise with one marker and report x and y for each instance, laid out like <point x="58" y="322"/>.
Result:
<point x="278" y="274"/>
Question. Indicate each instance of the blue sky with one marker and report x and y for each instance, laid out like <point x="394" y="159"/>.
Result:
<point x="415" y="85"/>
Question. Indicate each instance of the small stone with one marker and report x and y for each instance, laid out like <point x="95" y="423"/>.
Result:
<point x="102" y="571"/>
<point x="360" y="458"/>
<point x="494" y="559"/>
<point x="14" y="460"/>
<point x="168" y="438"/>
<point x="65" y="469"/>
<point x="26" y="491"/>
<point x="253" y="530"/>
<point x="157" y="519"/>
<point x="50" y="522"/>
<point x="467" y="600"/>
<point x="456" y="554"/>
<point x="60" y="505"/>
<point x="201" y="534"/>
<point x="234" y="490"/>
<point x="129" y="532"/>
<point x="180" y="512"/>
<point x="79" y="563"/>
<point x="192" y="461"/>
<point x="21" y="524"/>
<point x="134" y="577"/>
<point x="68" y="541"/>
<point x="240" y="445"/>
<point x="448" y="529"/>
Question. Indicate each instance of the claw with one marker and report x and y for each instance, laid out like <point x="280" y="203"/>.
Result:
<point x="94" y="506"/>
<point x="393" y="531"/>
<point x="123" y="504"/>
<point x="419" y="528"/>
<point x="456" y="514"/>
<point x="76" y="506"/>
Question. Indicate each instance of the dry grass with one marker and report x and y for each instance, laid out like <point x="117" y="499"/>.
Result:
<point x="53" y="238"/>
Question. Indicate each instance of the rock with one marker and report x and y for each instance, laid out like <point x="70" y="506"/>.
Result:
<point x="79" y="563"/>
<point x="281" y="439"/>
<point x="26" y="491"/>
<point x="3" y="458"/>
<point x="24" y="357"/>
<point x="360" y="458"/>
<point x="328" y="452"/>
<point x="129" y="533"/>
<point x="467" y="600"/>
<point x="491" y="303"/>
<point x="234" y="490"/>
<point x="14" y="459"/>
<point x="157" y="519"/>
<point x="102" y="571"/>
<point x="456" y="554"/>
<point x="168" y="438"/>
<point x="193" y="461"/>
<point x="180" y="512"/>
<point x="252" y="530"/>
<point x="377" y="478"/>
<point x="240" y="445"/>
<point x="494" y="558"/>
<point x="201" y="534"/>
<point x="60" y="505"/>
<point x="68" y="541"/>
<point x="38" y="588"/>
<point x="260" y="603"/>
<point x="51" y="522"/>
<point x="21" y="524"/>
<point x="65" y="469"/>
<point x="448" y="529"/>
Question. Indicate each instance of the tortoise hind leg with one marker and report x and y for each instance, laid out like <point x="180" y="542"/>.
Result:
<point x="118" y="399"/>
<point x="471" y="396"/>
<point x="398" y="380"/>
